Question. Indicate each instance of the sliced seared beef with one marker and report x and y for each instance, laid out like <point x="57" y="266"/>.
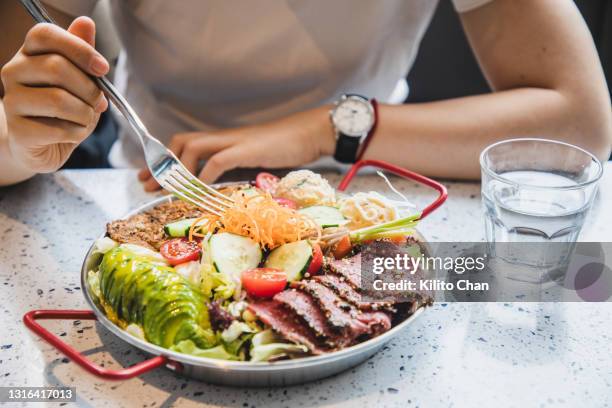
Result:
<point x="304" y="306"/>
<point x="326" y="312"/>
<point x="377" y="322"/>
<point x="340" y="314"/>
<point x="309" y="311"/>
<point x="341" y="287"/>
<point x="407" y="309"/>
<point x="286" y="323"/>
<point x="347" y="292"/>
<point x="348" y="268"/>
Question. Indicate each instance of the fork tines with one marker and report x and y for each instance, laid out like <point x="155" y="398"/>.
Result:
<point x="180" y="182"/>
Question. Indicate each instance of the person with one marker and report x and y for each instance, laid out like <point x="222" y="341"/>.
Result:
<point x="251" y="84"/>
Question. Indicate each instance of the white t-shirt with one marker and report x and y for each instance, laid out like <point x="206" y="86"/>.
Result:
<point x="207" y="64"/>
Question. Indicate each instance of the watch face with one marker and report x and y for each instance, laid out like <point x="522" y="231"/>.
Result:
<point x="353" y="116"/>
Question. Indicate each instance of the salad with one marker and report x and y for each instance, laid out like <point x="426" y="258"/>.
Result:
<point x="276" y="276"/>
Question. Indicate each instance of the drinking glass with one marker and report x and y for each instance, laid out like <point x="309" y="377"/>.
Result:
<point x="536" y="194"/>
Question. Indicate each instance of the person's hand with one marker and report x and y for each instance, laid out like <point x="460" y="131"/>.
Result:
<point x="292" y="141"/>
<point x="51" y="103"/>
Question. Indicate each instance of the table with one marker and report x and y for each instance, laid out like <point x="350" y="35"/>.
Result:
<point x="490" y="354"/>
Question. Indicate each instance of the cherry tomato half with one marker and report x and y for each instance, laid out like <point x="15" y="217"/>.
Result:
<point x="180" y="250"/>
<point x="264" y="282"/>
<point x="266" y="181"/>
<point x="285" y="202"/>
<point x="317" y="260"/>
<point x="343" y="247"/>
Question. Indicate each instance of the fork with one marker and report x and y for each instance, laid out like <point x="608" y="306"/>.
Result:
<point x="165" y="167"/>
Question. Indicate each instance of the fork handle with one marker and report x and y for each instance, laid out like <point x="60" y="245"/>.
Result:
<point x="40" y="15"/>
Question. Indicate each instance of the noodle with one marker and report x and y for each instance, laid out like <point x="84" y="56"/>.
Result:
<point x="366" y="209"/>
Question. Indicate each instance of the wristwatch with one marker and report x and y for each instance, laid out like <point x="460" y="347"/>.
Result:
<point x="353" y="118"/>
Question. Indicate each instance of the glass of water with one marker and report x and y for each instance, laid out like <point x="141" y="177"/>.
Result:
<point x="536" y="195"/>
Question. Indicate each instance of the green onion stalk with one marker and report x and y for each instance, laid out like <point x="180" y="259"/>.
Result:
<point x="402" y="226"/>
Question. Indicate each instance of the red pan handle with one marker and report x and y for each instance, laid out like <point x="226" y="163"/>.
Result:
<point x="399" y="171"/>
<point x="123" y="374"/>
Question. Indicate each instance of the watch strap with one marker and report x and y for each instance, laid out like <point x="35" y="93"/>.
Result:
<point x="347" y="148"/>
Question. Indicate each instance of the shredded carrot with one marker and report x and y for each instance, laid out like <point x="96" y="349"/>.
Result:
<point x="262" y="219"/>
<point x="200" y="227"/>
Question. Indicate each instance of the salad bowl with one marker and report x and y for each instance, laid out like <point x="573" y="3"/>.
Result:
<point x="234" y="373"/>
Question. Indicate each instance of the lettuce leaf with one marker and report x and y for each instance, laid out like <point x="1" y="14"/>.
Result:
<point x="267" y="351"/>
<point x="264" y="337"/>
<point x="235" y="330"/>
<point x="145" y="253"/>
<point x="265" y="345"/>
<point x="103" y="245"/>
<point x="235" y="346"/>
<point x="190" y="271"/>
<point x="236" y="308"/>
<point x="93" y="280"/>
<point x="189" y="347"/>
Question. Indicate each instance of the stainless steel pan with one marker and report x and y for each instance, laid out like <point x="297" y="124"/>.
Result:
<point x="234" y="373"/>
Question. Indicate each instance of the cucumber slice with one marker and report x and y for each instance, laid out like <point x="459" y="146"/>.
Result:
<point x="180" y="228"/>
<point x="293" y="258"/>
<point x="325" y="216"/>
<point x="232" y="254"/>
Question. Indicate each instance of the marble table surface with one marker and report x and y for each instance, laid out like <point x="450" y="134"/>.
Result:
<point x="455" y="354"/>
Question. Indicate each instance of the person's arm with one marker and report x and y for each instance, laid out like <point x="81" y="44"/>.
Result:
<point x="48" y="104"/>
<point x="540" y="60"/>
<point x="538" y="57"/>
